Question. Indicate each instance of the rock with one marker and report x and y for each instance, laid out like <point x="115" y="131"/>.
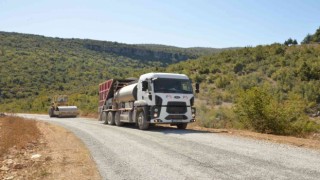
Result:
<point x="35" y="156"/>
<point x="18" y="166"/>
<point x="8" y="161"/>
<point x="9" y="157"/>
<point x="4" y="168"/>
<point x="9" y="178"/>
<point x="48" y="158"/>
<point x="2" y="114"/>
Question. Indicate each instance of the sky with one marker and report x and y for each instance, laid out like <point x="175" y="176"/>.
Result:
<point x="182" y="23"/>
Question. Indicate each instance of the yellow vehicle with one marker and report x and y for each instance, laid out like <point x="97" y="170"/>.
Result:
<point x="60" y="107"/>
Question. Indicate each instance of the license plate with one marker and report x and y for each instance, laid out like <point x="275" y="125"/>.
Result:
<point x="176" y="120"/>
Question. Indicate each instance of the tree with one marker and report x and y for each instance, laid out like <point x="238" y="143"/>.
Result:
<point x="305" y="72"/>
<point x="238" y="68"/>
<point x="294" y="42"/>
<point x="307" y="39"/>
<point x="316" y="36"/>
<point x="290" y="41"/>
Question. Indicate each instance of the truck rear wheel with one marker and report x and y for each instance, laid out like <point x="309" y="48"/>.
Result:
<point x="142" y="121"/>
<point x="117" y="119"/>
<point x="110" y="118"/>
<point x="104" y="117"/>
<point x="182" y="126"/>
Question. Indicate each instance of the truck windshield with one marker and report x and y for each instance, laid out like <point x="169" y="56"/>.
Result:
<point x="164" y="85"/>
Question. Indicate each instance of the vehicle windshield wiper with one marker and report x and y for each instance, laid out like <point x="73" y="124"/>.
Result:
<point x="185" y="91"/>
<point x="166" y="91"/>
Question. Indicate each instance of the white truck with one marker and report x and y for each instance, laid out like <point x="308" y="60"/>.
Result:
<point x="154" y="98"/>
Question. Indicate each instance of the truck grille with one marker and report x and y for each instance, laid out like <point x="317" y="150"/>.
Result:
<point x="176" y="117"/>
<point x="176" y="107"/>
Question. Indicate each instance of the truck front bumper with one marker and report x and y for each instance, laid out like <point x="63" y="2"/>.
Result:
<point x="172" y="121"/>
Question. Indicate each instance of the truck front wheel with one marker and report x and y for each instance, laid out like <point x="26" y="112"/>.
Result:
<point x="142" y="121"/>
<point x="182" y="126"/>
<point x="51" y="112"/>
<point x="110" y="118"/>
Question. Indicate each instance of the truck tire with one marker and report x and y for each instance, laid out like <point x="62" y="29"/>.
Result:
<point x="104" y="118"/>
<point x="182" y="126"/>
<point x="110" y="118"/>
<point x="142" y="120"/>
<point x="117" y="119"/>
<point x="50" y="111"/>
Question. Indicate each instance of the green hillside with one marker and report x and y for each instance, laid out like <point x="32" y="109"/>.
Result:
<point x="270" y="88"/>
<point x="35" y="67"/>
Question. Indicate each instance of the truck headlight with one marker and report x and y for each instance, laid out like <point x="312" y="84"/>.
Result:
<point x="156" y="111"/>
<point x="193" y="110"/>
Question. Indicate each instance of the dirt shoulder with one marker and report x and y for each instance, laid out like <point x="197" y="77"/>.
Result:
<point x="57" y="154"/>
<point x="312" y="141"/>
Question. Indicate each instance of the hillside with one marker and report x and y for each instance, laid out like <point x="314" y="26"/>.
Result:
<point x="276" y="84"/>
<point x="34" y="67"/>
<point x="270" y="89"/>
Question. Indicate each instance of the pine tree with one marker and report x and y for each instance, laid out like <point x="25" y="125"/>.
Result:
<point x="307" y="39"/>
<point x="316" y="36"/>
<point x="294" y="42"/>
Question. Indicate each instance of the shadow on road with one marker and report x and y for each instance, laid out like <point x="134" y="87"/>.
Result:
<point x="174" y="130"/>
<point x="166" y="129"/>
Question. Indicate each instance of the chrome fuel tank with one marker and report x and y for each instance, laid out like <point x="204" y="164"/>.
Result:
<point x="127" y="93"/>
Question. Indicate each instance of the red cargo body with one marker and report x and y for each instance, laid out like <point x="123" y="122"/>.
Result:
<point x="107" y="90"/>
<point x="104" y="89"/>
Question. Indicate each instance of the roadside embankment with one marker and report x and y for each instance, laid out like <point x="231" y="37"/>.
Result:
<point x="38" y="150"/>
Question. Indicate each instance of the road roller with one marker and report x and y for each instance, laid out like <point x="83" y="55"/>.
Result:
<point x="61" y="108"/>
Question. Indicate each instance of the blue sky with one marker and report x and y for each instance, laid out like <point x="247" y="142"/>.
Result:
<point x="183" y="23"/>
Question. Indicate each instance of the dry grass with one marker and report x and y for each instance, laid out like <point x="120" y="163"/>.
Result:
<point x="16" y="132"/>
<point x="61" y="154"/>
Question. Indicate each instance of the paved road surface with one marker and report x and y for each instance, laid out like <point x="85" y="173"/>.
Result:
<point x="169" y="153"/>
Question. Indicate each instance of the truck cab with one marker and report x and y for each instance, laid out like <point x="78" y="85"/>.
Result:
<point x="169" y="98"/>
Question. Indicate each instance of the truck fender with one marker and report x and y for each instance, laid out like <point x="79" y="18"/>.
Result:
<point x="138" y="107"/>
<point x="140" y="103"/>
<point x="145" y="109"/>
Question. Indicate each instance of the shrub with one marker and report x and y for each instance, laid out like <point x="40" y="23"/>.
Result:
<point x="251" y="109"/>
<point x="222" y="81"/>
<point x="216" y="117"/>
<point x="16" y="131"/>
<point x="258" y="110"/>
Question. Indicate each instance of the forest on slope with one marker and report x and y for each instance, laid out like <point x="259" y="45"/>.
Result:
<point x="271" y="89"/>
<point x="33" y="68"/>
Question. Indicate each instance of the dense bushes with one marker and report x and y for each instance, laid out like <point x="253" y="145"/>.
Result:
<point x="219" y="117"/>
<point x="257" y="109"/>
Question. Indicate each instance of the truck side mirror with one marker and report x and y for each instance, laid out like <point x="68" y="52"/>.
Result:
<point x="144" y="85"/>
<point x="197" y="87"/>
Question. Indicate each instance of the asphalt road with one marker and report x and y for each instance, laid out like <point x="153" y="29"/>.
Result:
<point x="168" y="153"/>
